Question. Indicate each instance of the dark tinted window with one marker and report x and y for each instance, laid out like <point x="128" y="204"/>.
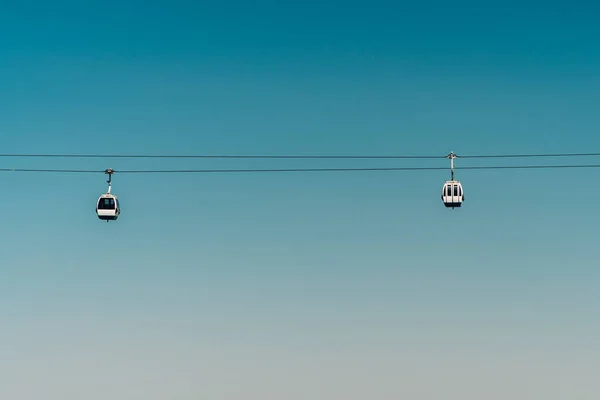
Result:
<point x="106" y="204"/>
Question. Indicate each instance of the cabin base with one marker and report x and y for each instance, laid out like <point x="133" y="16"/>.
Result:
<point x="453" y="205"/>
<point x="108" y="217"/>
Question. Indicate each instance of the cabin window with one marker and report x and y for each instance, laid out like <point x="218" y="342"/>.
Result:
<point x="106" y="204"/>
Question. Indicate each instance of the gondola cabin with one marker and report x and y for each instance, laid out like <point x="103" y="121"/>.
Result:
<point x="108" y="208"/>
<point x="453" y="194"/>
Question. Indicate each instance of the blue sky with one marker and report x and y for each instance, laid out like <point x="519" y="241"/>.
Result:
<point x="338" y="285"/>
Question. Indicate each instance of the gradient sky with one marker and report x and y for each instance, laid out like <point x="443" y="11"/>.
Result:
<point x="299" y="286"/>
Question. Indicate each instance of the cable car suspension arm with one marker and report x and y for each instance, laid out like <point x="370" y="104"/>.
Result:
<point x="109" y="171"/>
<point x="451" y="156"/>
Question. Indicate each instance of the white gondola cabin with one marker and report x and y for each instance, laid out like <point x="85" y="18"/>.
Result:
<point x="453" y="194"/>
<point x="107" y="207"/>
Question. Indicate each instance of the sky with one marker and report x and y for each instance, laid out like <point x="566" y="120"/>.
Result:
<point x="265" y="286"/>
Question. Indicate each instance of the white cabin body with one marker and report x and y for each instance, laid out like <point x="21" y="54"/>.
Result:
<point x="453" y="194"/>
<point x="107" y="207"/>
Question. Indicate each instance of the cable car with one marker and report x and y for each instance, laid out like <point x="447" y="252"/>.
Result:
<point x="452" y="194"/>
<point x="107" y="206"/>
